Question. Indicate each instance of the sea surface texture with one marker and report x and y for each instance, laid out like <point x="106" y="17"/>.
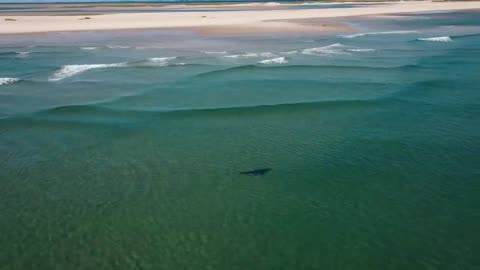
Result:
<point x="123" y="150"/>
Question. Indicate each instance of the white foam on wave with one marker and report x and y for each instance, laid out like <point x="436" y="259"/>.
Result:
<point x="379" y="33"/>
<point x="251" y="55"/>
<point x="71" y="70"/>
<point x="161" y="59"/>
<point x="158" y="61"/>
<point x="22" y="54"/>
<point x="278" y="60"/>
<point x="4" y="81"/>
<point x="216" y="53"/>
<point x="289" y="52"/>
<point x="336" y="48"/>
<point x="89" y="48"/>
<point x="360" y="50"/>
<point x="271" y="4"/>
<point x="118" y="47"/>
<point x="437" y="39"/>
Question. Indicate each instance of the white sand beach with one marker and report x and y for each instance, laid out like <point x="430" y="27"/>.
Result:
<point x="244" y="21"/>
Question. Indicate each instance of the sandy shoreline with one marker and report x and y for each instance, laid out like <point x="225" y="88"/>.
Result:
<point x="235" y="21"/>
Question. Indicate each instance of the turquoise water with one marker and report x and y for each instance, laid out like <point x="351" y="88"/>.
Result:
<point x="37" y="8"/>
<point x="122" y="150"/>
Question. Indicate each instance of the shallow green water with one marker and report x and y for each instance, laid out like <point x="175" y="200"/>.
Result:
<point x="373" y="142"/>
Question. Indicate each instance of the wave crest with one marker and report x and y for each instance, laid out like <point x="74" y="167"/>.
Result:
<point x="361" y="50"/>
<point x="251" y="55"/>
<point x="380" y="33"/>
<point x="336" y="48"/>
<point x="22" y="54"/>
<point x="118" y="47"/>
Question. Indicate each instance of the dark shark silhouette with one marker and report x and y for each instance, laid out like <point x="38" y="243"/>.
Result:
<point x="257" y="172"/>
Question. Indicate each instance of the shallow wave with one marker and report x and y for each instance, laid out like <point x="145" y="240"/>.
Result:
<point x="71" y="70"/>
<point x="289" y="52"/>
<point x="101" y="111"/>
<point x="295" y="68"/>
<point x="251" y="55"/>
<point x="336" y="48"/>
<point x="278" y="60"/>
<point x="8" y="54"/>
<point x="4" y="81"/>
<point x="380" y="33"/>
<point x="360" y="50"/>
<point x="160" y="61"/>
<point x="437" y="39"/>
<point x="89" y="48"/>
<point x="465" y="36"/>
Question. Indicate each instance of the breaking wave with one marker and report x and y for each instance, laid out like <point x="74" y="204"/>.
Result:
<point x="251" y="55"/>
<point x="279" y="60"/>
<point x="336" y="48"/>
<point x="437" y="39"/>
<point x="160" y="61"/>
<point x="4" y="81"/>
<point x="71" y="70"/>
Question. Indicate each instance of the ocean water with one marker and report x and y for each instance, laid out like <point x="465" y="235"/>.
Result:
<point x="39" y="2"/>
<point x="123" y="150"/>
